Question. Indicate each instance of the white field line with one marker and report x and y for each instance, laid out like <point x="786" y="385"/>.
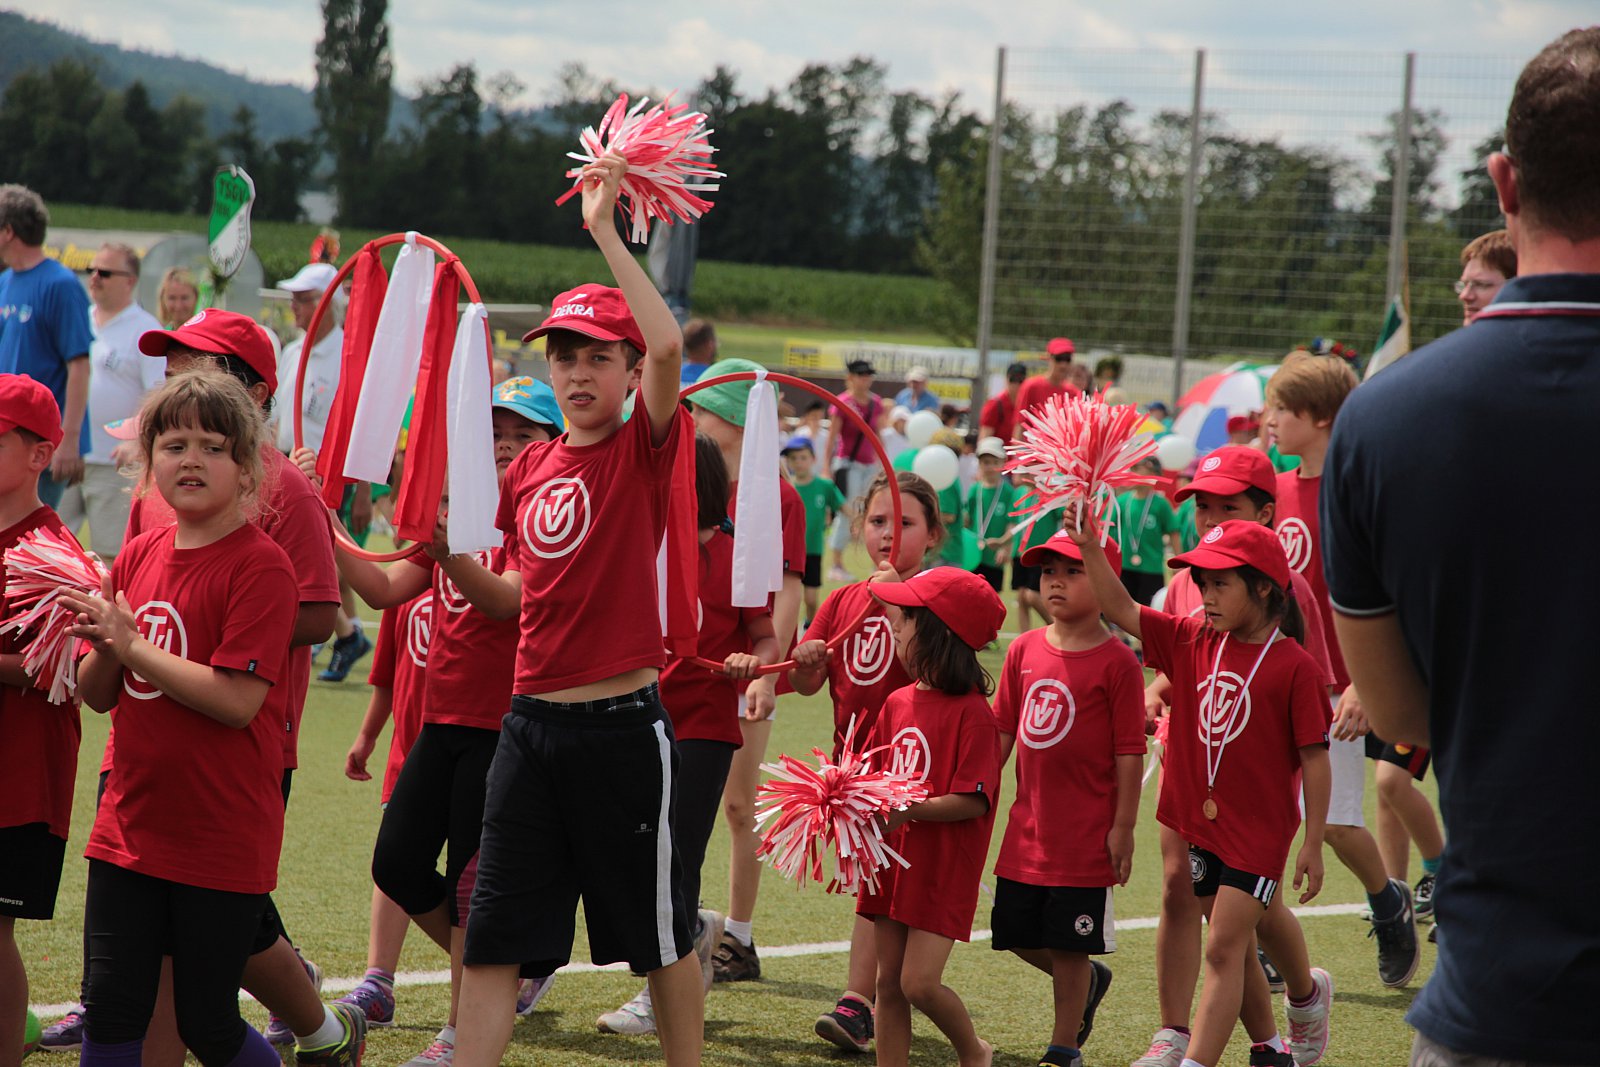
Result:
<point x="814" y="948"/>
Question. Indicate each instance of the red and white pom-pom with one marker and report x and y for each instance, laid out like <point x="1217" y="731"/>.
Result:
<point x="832" y="806"/>
<point x="1079" y="448"/>
<point x="669" y="161"/>
<point x="38" y="568"/>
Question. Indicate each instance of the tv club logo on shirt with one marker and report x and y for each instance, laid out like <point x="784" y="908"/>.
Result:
<point x="868" y="653"/>
<point x="1048" y="712"/>
<point x="160" y="624"/>
<point x="419" y="632"/>
<point x="556" y="518"/>
<point x="1295" y="536"/>
<point x="454" y="602"/>
<point x="909" y="754"/>
<point x="1224" y="709"/>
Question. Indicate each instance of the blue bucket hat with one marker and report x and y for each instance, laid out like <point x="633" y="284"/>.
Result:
<point x="532" y="399"/>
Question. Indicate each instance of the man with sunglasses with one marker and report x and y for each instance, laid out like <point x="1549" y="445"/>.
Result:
<point x="1054" y="381"/>
<point x="44" y="329"/>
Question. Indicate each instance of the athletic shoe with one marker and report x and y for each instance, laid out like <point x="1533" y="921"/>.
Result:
<point x="1308" y="1026"/>
<point x="278" y="1032"/>
<point x="1422" y="898"/>
<point x="735" y="962"/>
<point x="1275" y="982"/>
<point x="1099" y="982"/>
<point x="346" y="650"/>
<point x="1433" y="935"/>
<point x="531" y="991"/>
<point x="707" y="941"/>
<point x="441" y="1053"/>
<point x="848" y="1025"/>
<point x="839" y="574"/>
<point x="637" y="1017"/>
<point x="1050" y="1059"/>
<point x="1267" y="1056"/>
<point x="373" y="1001"/>
<point x="1167" y="1049"/>
<point x="1398" y="951"/>
<point x="65" y="1034"/>
<point x="345" y="1052"/>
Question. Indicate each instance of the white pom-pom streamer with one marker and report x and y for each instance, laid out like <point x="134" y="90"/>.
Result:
<point x="39" y="568"/>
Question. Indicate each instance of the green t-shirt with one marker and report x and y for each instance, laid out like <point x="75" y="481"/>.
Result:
<point x="1188" y="535"/>
<point x="989" y="513"/>
<point x="1141" y="525"/>
<point x="821" y="497"/>
<point x="904" y="461"/>
<point x="950" y="504"/>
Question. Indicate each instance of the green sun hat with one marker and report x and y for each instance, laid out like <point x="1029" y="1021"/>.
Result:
<point x="729" y="400"/>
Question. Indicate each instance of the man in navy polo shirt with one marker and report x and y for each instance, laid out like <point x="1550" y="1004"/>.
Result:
<point x="1457" y="632"/>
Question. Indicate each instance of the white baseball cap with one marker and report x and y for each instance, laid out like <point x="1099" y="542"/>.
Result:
<point x="918" y="373"/>
<point x="992" y="446"/>
<point x="311" y="278"/>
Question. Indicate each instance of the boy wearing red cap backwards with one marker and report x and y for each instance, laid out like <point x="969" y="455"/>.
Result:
<point x="1236" y="685"/>
<point x="939" y="729"/>
<point x="584" y="516"/>
<point x="36" y="790"/>
<point x="1074" y="696"/>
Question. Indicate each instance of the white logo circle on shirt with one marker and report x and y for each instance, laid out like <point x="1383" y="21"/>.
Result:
<point x="1295" y="536"/>
<point x="909" y="754"/>
<point x="1228" y="698"/>
<point x="419" y="633"/>
<point x="449" y="594"/>
<point x="1211" y="463"/>
<point x="556" y="518"/>
<point x="868" y="653"/>
<point x="1048" y="712"/>
<point x="160" y="624"/>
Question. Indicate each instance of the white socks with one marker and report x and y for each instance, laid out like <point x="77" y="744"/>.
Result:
<point x="331" y="1032"/>
<point x="739" y="930"/>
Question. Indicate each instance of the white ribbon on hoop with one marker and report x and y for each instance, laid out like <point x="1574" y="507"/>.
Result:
<point x="758" y="533"/>
<point x="392" y="368"/>
<point x="474" y="495"/>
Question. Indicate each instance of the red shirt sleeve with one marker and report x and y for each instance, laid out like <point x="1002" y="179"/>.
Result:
<point x="1005" y="695"/>
<point x="1159" y="633"/>
<point x="382" y="672"/>
<point x="304" y="531"/>
<point x="1309" y="711"/>
<point x="1125" y="694"/>
<point x="977" y="768"/>
<point x="793" y="513"/>
<point x="260" y="618"/>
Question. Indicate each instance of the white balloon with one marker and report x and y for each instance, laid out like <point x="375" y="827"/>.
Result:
<point x="921" y="427"/>
<point x="938" y="465"/>
<point x="1174" y="452"/>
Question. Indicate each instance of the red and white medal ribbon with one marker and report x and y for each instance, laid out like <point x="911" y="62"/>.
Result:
<point x="1214" y="752"/>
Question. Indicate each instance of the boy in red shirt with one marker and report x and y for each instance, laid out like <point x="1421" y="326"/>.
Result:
<point x="1053" y="382"/>
<point x="36" y="790"/>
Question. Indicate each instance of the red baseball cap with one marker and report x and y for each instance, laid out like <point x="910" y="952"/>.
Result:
<point x="1062" y="545"/>
<point x="595" y="311"/>
<point x="962" y="601"/>
<point x="223" y="332"/>
<point x="1060" y="346"/>
<point x="1243" y="424"/>
<point x="1238" y="543"/>
<point x="29" y="405"/>
<point x="1233" y="469"/>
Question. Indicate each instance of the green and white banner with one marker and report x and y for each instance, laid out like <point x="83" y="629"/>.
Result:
<point x="232" y="193"/>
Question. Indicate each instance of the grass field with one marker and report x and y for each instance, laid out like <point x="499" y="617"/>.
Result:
<point x="324" y="892"/>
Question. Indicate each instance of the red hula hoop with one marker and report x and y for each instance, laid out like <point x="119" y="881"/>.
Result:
<point x="340" y="539"/>
<point x="851" y="415"/>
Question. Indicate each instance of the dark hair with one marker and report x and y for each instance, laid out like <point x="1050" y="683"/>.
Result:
<point x="236" y="368"/>
<point x="816" y="405"/>
<point x="710" y="483"/>
<point x="698" y="332"/>
<point x="915" y="486"/>
<point x="942" y="660"/>
<point x="1553" y="135"/>
<point x="23" y="210"/>
<point x="1261" y="498"/>
<point x="561" y="342"/>
<point x="1273" y="599"/>
<point x="1017" y="372"/>
<point x="29" y="438"/>
<point x="1109" y="364"/>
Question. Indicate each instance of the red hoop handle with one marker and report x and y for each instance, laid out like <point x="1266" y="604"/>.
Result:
<point x="340" y="538"/>
<point x="851" y="415"/>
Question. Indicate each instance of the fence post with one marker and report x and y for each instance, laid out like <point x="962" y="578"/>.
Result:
<point x="1186" y="226"/>
<point x="1400" y="195"/>
<point x="991" y="234"/>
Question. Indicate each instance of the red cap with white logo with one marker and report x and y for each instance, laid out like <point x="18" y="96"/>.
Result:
<point x="1233" y="469"/>
<point x="1237" y="543"/>
<point x="962" y="601"/>
<point x="1061" y="544"/>
<point x="29" y="405"/>
<point x="595" y="311"/>
<point x="225" y="333"/>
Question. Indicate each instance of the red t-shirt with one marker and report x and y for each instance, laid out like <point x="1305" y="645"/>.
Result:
<point x="40" y="739"/>
<point x="1073" y="714"/>
<point x="398" y="664"/>
<point x="862" y="671"/>
<point x="583" y="525"/>
<point x="954" y="745"/>
<point x="1257" y="789"/>
<point x="1300" y="532"/>
<point x="1183" y="600"/>
<point x="792" y="517"/>
<point x="189" y="799"/>
<point x="704" y="705"/>
<point x="1000" y="413"/>
<point x="296" y="520"/>
<point x="1035" y="391"/>
<point x="470" y="665"/>
<point x="848" y="440"/>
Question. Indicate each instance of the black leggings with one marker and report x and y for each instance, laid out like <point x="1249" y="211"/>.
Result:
<point x="130" y="921"/>
<point x="702" y="772"/>
<point x="437" y="799"/>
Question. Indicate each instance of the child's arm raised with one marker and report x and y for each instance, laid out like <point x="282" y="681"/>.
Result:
<point x="1115" y="603"/>
<point x="1317" y="780"/>
<point x="663" y="356"/>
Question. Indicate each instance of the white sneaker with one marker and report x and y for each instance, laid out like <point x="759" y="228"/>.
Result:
<point x="441" y="1053"/>
<point x="1308" y="1026"/>
<point x="636" y="1018"/>
<point x="1166" y="1049"/>
<point x="705" y="946"/>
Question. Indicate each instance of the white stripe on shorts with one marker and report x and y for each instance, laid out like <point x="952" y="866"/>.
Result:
<point x="667" y="943"/>
<point x="1108" y="922"/>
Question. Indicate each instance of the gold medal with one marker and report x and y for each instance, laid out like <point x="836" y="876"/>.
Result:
<point x="1210" y="809"/>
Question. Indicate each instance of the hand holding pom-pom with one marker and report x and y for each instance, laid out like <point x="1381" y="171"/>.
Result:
<point x="46" y="577"/>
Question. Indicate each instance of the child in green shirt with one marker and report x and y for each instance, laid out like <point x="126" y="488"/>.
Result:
<point x="988" y="512"/>
<point x="823" y="501"/>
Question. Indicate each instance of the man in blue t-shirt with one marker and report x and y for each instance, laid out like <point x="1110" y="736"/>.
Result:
<point x="44" y="329"/>
<point x="1457" y="631"/>
<point x="915" y="395"/>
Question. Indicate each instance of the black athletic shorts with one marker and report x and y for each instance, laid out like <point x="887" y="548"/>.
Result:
<point x="579" y="805"/>
<point x="1023" y="577"/>
<point x="1209" y="874"/>
<point x="812" y="578"/>
<point x="1413" y="758"/>
<point x="992" y="574"/>
<point x="1141" y="586"/>
<point x="30" y="873"/>
<point x="1065" y="918"/>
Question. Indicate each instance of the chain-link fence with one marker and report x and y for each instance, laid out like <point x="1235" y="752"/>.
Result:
<point x="1292" y="174"/>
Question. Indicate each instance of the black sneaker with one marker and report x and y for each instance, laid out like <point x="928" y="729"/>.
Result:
<point x="735" y="962"/>
<point x="1422" y="898"/>
<point x="1267" y="1056"/>
<point x="1398" y="951"/>
<point x="1073" y="1058"/>
<point x="1099" y="982"/>
<point x="346" y="650"/>
<point x="1275" y="983"/>
<point x="848" y="1025"/>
